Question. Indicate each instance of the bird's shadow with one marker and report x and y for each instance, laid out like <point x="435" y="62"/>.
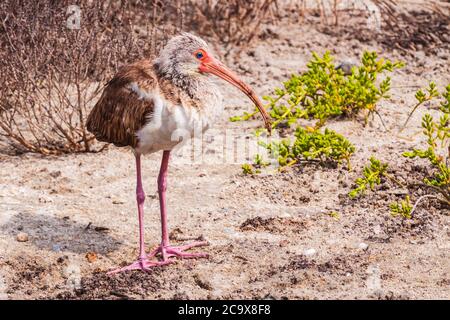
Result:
<point x="61" y="234"/>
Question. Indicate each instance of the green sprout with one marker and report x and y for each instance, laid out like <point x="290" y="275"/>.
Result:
<point x="437" y="134"/>
<point x="311" y="145"/>
<point x="371" y="177"/>
<point x="247" y="168"/>
<point x="421" y="98"/>
<point x="333" y="214"/>
<point x="402" y="208"/>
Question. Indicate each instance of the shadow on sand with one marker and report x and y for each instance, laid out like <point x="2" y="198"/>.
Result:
<point x="60" y="234"/>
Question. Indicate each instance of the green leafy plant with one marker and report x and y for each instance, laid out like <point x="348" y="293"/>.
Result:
<point x="372" y="174"/>
<point x="309" y="145"/>
<point x="421" y="97"/>
<point x="323" y="91"/>
<point x="248" y="169"/>
<point x="334" y="214"/>
<point x="402" y="208"/>
<point x="437" y="133"/>
<point x="255" y="168"/>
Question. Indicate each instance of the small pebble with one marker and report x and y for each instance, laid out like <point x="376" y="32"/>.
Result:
<point x="363" y="246"/>
<point x="61" y="259"/>
<point x="285" y="215"/>
<point x="377" y="229"/>
<point x="284" y="243"/>
<point x="378" y="293"/>
<point x="55" y="174"/>
<point x="346" y="67"/>
<point x="91" y="257"/>
<point x="22" y="237"/>
<point x="309" y="252"/>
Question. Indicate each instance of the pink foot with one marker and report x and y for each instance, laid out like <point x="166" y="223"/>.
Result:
<point x="141" y="264"/>
<point x="177" y="251"/>
<point x="144" y="264"/>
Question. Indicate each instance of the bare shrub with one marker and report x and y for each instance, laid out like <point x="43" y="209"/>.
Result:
<point x="233" y="23"/>
<point x="52" y="75"/>
<point x="403" y="25"/>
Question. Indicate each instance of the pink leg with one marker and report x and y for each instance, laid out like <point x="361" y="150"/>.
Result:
<point x="162" y="187"/>
<point x="165" y="249"/>
<point x="143" y="262"/>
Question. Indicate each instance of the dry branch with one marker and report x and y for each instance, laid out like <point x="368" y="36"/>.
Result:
<point x="52" y="75"/>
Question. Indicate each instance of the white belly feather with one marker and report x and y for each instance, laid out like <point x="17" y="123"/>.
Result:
<point x="170" y="124"/>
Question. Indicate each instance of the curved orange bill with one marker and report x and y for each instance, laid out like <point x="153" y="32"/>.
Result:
<point x="217" y="68"/>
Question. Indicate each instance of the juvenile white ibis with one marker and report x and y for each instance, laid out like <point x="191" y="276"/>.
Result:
<point x="145" y="103"/>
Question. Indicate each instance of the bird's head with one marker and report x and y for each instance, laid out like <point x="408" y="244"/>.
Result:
<point x="187" y="56"/>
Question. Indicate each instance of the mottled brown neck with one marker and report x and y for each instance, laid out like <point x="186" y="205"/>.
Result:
<point x="192" y="86"/>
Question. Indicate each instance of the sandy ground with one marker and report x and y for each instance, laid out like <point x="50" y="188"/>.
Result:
<point x="270" y="235"/>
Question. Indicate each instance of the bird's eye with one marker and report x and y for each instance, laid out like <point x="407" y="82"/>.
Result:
<point x="199" y="55"/>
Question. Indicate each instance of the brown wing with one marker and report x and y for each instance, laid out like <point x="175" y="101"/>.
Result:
<point x="120" y="111"/>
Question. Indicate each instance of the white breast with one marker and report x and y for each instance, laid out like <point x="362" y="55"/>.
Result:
<point x="170" y="124"/>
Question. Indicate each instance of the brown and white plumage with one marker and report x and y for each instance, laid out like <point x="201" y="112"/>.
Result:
<point x="152" y="106"/>
<point x="148" y="106"/>
<point x="120" y="112"/>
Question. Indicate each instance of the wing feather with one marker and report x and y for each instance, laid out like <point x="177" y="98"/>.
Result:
<point x="125" y="105"/>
